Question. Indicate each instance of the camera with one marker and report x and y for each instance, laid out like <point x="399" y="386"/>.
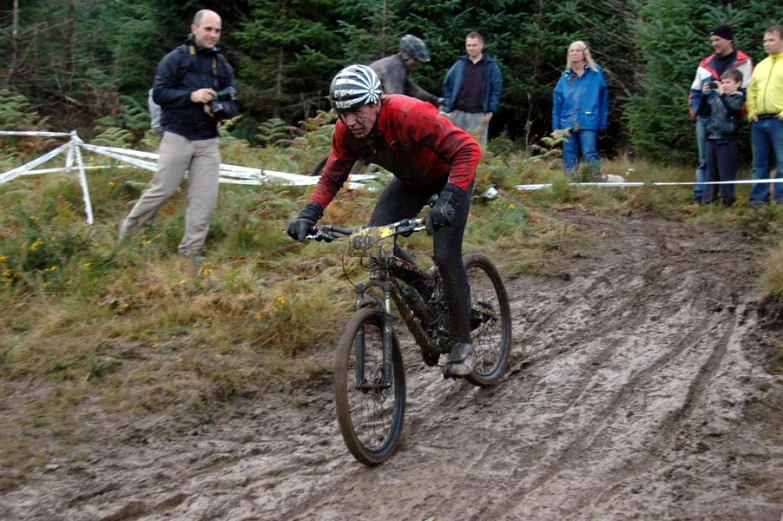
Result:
<point x="713" y="85"/>
<point x="216" y="105"/>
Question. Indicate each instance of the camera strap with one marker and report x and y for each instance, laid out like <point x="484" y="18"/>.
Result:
<point x="215" y="80"/>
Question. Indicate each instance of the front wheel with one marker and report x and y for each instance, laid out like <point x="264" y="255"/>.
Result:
<point x="370" y="411"/>
<point x="490" y="320"/>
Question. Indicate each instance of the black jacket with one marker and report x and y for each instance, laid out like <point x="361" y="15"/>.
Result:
<point x="179" y="74"/>
<point x="724" y="114"/>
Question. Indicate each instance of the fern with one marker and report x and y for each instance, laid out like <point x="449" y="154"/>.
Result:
<point x="133" y="115"/>
<point x="115" y="137"/>
<point x="272" y="131"/>
<point x="15" y="113"/>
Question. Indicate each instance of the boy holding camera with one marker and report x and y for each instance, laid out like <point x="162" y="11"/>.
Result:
<point x="722" y="104"/>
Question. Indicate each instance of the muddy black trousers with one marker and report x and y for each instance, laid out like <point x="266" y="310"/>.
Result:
<point x="401" y="201"/>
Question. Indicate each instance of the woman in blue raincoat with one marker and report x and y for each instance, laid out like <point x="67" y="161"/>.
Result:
<point x="581" y="105"/>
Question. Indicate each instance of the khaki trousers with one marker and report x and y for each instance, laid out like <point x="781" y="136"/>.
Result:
<point x="202" y="161"/>
<point x="472" y="122"/>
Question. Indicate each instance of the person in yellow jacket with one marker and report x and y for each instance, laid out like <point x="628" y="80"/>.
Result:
<point x="765" y="112"/>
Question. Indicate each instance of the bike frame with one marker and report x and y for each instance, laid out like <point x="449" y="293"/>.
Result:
<point x="384" y="274"/>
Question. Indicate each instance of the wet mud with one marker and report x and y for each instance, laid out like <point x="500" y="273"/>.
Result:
<point x="636" y="389"/>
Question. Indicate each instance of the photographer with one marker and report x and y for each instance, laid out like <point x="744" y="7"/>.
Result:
<point x="195" y="87"/>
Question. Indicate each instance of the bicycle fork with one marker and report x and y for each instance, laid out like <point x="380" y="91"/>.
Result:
<point x="363" y="383"/>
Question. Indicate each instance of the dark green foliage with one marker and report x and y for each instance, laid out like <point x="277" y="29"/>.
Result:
<point x="292" y="50"/>
<point x="89" y="65"/>
<point x="270" y="132"/>
<point x="673" y="36"/>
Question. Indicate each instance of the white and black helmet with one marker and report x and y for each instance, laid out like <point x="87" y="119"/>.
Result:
<point x="414" y="47"/>
<point x="353" y="87"/>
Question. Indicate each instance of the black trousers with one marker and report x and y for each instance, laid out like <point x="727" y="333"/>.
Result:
<point x="401" y="201"/>
<point x="721" y="166"/>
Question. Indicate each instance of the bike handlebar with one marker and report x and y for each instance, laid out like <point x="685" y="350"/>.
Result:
<point x="328" y="233"/>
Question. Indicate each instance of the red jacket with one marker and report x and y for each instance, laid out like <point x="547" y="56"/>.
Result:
<point x="411" y="140"/>
<point x="706" y="72"/>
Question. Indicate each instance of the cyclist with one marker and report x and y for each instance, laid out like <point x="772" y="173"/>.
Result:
<point x="393" y="70"/>
<point x="428" y="155"/>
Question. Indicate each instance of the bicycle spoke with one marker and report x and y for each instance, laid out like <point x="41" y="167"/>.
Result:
<point x="489" y="320"/>
<point x="370" y="416"/>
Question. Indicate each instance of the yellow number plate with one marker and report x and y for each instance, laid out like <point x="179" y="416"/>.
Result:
<point x="372" y="242"/>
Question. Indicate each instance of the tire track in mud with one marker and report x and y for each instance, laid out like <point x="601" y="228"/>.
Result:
<point x="589" y="437"/>
<point x="602" y="326"/>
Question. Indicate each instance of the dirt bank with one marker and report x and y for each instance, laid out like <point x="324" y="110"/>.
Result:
<point x="636" y="390"/>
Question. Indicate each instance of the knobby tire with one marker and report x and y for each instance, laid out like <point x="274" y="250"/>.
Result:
<point x="371" y="421"/>
<point x="490" y="320"/>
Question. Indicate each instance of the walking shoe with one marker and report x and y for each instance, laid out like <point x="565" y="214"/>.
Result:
<point x="197" y="258"/>
<point x="460" y="361"/>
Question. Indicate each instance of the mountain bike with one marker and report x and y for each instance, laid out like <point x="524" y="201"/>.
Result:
<point x="369" y="378"/>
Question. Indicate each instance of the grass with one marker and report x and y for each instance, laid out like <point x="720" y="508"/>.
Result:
<point x="104" y="327"/>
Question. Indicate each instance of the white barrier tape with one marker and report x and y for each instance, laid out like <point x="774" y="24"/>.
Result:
<point x="146" y="165"/>
<point x="244" y="172"/>
<point x="226" y="180"/>
<point x="234" y="174"/>
<point x="71" y="169"/>
<point x="639" y="184"/>
<point x="83" y="182"/>
<point x="4" y="178"/>
<point x="128" y="152"/>
<point x="229" y="174"/>
<point x="33" y="133"/>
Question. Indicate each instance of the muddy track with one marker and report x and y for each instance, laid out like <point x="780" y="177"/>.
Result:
<point x="636" y="390"/>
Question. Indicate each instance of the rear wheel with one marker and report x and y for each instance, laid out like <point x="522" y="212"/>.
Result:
<point x="370" y="413"/>
<point x="490" y="320"/>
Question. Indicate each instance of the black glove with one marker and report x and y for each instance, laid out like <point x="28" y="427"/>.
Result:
<point x="445" y="209"/>
<point x="300" y="228"/>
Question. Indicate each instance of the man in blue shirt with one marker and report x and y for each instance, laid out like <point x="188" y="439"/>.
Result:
<point x="472" y="88"/>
